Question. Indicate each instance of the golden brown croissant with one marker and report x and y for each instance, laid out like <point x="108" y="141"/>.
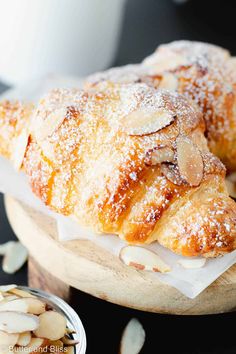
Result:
<point x="204" y="73"/>
<point x="126" y="159"/>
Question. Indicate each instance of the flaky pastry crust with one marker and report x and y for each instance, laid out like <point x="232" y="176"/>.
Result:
<point x="130" y="160"/>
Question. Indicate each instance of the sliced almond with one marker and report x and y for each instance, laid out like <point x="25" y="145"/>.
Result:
<point x="171" y="172"/>
<point x="21" y="293"/>
<point x="231" y="188"/>
<point x="169" y="82"/>
<point x="35" y="306"/>
<point x="133" y="338"/>
<point x="162" y="60"/>
<point x="9" y="297"/>
<point x="143" y="122"/>
<point x="70" y="331"/>
<point x="158" y="155"/>
<point x="4" y="247"/>
<point x="8" y="339"/>
<point x="55" y="344"/>
<point x="69" y="350"/>
<point x="24" y="339"/>
<point x="15" y="258"/>
<point x="192" y="263"/>
<point x="190" y="161"/>
<point x="20" y="149"/>
<point x="69" y="341"/>
<point x="18" y="305"/>
<point x="52" y="325"/>
<point x="47" y="127"/>
<point x="36" y="345"/>
<point x="18" y="322"/>
<point x="143" y="259"/>
<point x="6" y="288"/>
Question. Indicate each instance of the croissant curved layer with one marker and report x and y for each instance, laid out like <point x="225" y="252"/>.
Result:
<point x="130" y="160"/>
<point x="203" y="72"/>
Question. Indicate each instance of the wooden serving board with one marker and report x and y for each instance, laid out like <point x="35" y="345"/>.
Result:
<point x="85" y="266"/>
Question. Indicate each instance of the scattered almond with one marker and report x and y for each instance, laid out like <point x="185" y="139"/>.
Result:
<point x="133" y="338"/>
<point x="192" y="263"/>
<point x="158" y="155"/>
<point x="15" y="258"/>
<point x="20" y="149"/>
<point x="142" y="122"/>
<point x="190" y="161"/>
<point x="4" y="247"/>
<point x="143" y="259"/>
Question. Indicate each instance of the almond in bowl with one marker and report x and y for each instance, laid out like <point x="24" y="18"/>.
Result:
<point x="32" y="321"/>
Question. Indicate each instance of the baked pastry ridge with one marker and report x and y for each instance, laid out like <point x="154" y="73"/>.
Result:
<point x="130" y="160"/>
<point x="203" y="72"/>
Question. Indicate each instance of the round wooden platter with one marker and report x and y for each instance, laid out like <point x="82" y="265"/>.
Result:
<point x="85" y="266"/>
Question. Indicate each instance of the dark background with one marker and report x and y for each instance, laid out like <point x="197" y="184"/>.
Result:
<point x="148" y="23"/>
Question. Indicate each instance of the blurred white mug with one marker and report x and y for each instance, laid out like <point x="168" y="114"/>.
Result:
<point x="72" y="37"/>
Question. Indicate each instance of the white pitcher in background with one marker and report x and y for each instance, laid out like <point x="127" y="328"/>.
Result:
<point x="70" y="37"/>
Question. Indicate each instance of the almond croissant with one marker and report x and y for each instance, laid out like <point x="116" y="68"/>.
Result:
<point x="202" y="72"/>
<point x="125" y="159"/>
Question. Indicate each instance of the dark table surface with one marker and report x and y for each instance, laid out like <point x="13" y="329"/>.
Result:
<point x="148" y="23"/>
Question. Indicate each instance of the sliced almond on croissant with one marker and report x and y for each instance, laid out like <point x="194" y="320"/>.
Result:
<point x="133" y="338"/>
<point x="159" y="155"/>
<point x="190" y="161"/>
<point x="52" y="325"/>
<point x="143" y="259"/>
<point x="169" y="82"/>
<point x="48" y="126"/>
<point x="24" y="339"/>
<point x="18" y="322"/>
<point x="19" y="149"/>
<point x="143" y="122"/>
<point x="192" y="263"/>
<point x="171" y="172"/>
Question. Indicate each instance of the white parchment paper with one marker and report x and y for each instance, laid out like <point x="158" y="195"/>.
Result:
<point x="188" y="281"/>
